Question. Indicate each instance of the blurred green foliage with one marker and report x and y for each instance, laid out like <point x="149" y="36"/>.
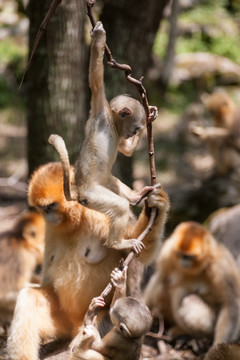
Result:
<point x="208" y="27"/>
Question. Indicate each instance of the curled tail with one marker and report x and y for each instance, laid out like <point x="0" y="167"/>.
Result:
<point x="59" y="144"/>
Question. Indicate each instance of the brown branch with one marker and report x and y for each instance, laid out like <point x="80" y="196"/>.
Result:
<point x="42" y="28"/>
<point x="150" y="116"/>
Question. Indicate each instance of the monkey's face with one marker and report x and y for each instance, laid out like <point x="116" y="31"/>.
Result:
<point x="51" y="213"/>
<point x="190" y="240"/>
<point x="121" y="326"/>
<point x="131" y="127"/>
<point x="186" y="260"/>
<point x="45" y="193"/>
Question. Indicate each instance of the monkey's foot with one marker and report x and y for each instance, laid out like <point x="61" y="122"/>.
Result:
<point x="144" y="192"/>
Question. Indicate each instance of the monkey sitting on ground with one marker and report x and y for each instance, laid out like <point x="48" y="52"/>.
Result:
<point x="77" y="266"/>
<point x="111" y="127"/>
<point x="130" y="318"/>
<point x="223" y="137"/>
<point x="197" y="285"/>
<point x="21" y="251"/>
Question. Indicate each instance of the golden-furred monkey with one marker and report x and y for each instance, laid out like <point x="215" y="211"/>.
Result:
<point x="197" y="285"/>
<point x="21" y="251"/>
<point x="222" y="138"/>
<point x="77" y="266"/>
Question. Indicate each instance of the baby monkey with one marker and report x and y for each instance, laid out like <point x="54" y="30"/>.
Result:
<point x="130" y="318"/>
<point x="111" y="127"/>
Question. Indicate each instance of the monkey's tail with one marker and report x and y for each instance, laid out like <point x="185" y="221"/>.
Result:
<point x="59" y="144"/>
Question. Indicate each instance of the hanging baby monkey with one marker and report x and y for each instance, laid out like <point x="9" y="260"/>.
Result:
<point x="111" y="127"/>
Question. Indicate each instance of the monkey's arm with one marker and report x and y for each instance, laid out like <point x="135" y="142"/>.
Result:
<point x="119" y="281"/>
<point x="211" y="133"/>
<point x="225" y="275"/>
<point x="127" y="146"/>
<point x="159" y="199"/>
<point x="90" y="317"/>
<point x="96" y="71"/>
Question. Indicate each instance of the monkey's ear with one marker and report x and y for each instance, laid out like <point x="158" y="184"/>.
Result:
<point x="124" y="112"/>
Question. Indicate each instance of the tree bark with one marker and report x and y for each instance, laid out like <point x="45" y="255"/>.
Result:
<point x="56" y="81"/>
<point x="131" y="27"/>
<point x="170" y="51"/>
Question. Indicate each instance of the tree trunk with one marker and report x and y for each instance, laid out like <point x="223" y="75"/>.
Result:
<point x="170" y="52"/>
<point x="131" y="27"/>
<point x="56" y="81"/>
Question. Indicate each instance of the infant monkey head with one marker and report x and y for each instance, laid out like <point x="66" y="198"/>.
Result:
<point x="131" y="317"/>
<point x="129" y="115"/>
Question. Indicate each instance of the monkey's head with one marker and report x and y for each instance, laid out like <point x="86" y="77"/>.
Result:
<point x="45" y="193"/>
<point x="131" y="317"/>
<point x="191" y="246"/>
<point x="30" y="231"/>
<point x="220" y="105"/>
<point x="129" y="115"/>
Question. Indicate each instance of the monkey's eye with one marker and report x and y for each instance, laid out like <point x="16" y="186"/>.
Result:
<point x="47" y="209"/>
<point x="33" y="233"/>
<point x="121" y="328"/>
<point x="136" y="130"/>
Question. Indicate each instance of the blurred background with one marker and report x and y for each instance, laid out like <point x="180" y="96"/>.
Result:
<point x="183" y="48"/>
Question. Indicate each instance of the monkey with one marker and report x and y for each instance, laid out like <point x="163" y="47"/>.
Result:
<point x="76" y="266"/>
<point x="130" y="319"/>
<point x="224" y="352"/>
<point x="224" y="225"/>
<point x="192" y="264"/>
<point x="223" y="137"/>
<point x="21" y="251"/>
<point x="111" y="127"/>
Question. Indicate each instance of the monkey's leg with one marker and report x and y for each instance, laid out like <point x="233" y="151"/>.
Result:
<point x="134" y="197"/>
<point x="99" y="198"/>
<point x="228" y="324"/>
<point x="36" y="317"/>
<point x="194" y="316"/>
<point x="81" y="346"/>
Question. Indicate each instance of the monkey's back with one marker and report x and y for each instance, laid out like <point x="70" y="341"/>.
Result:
<point x="98" y="151"/>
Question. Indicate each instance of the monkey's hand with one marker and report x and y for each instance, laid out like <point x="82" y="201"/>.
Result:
<point x="144" y="192"/>
<point x="95" y="303"/>
<point x="137" y="246"/>
<point x="98" y="31"/>
<point x="197" y="131"/>
<point x="119" y="278"/>
<point x="153" y="113"/>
